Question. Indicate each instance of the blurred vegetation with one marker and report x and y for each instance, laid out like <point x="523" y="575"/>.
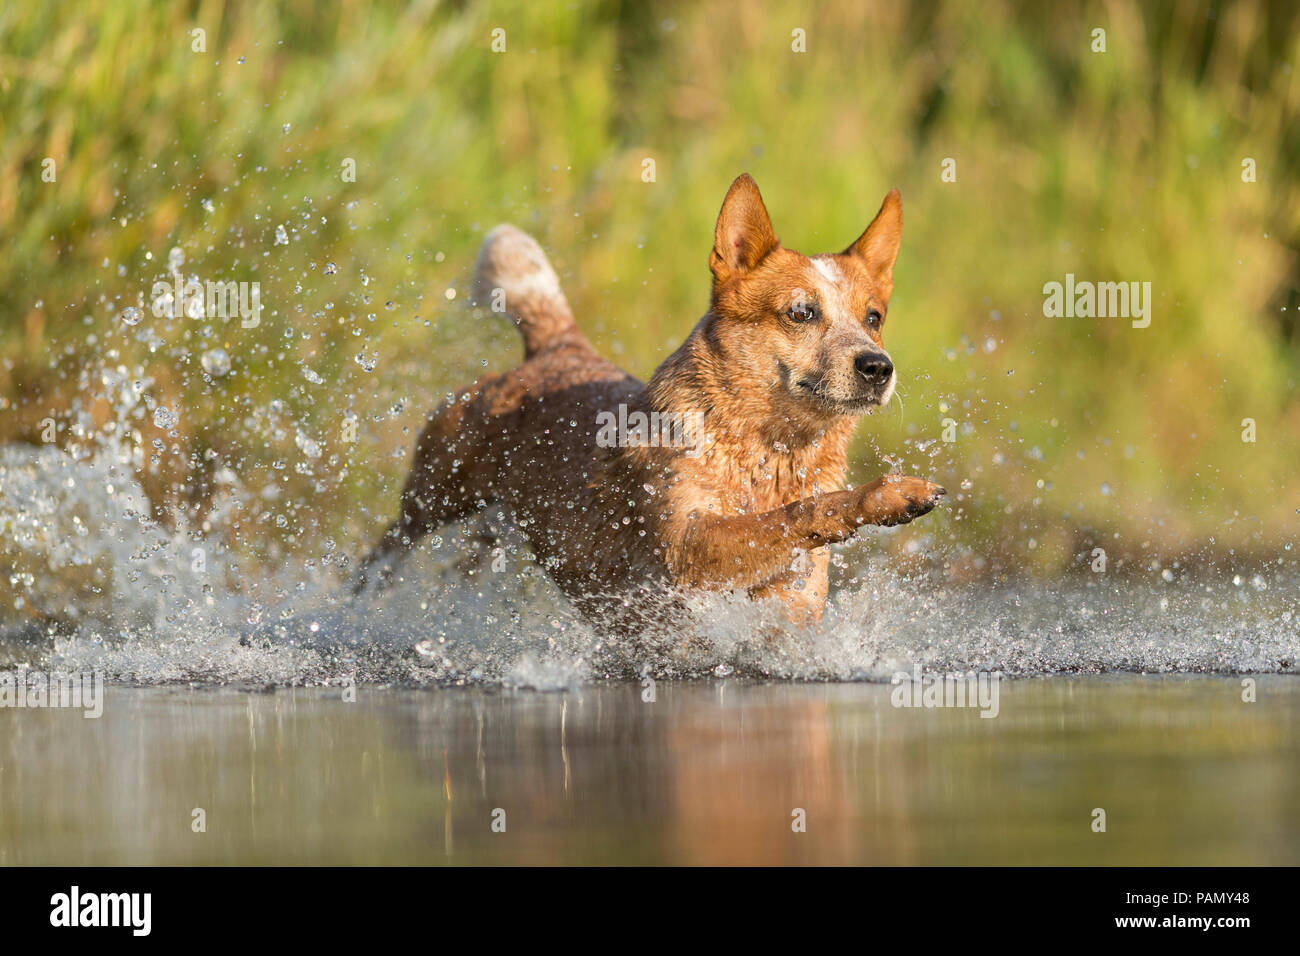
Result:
<point x="1072" y="433"/>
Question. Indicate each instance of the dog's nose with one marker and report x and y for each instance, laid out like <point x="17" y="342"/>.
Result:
<point x="874" y="367"/>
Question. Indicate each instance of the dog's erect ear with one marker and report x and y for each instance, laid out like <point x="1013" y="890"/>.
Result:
<point x="744" y="233"/>
<point x="878" y="246"/>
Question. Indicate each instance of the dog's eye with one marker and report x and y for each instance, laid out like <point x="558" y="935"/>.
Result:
<point x="874" y="319"/>
<point x="802" y="312"/>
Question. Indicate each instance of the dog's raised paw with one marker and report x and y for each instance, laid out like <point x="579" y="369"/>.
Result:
<point x="898" y="499"/>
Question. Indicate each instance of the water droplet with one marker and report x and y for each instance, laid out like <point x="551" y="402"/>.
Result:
<point x="130" y="315"/>
<point x="165" y="418"/>
<point x="309" y="446"/>
<point x="215" y="362"/>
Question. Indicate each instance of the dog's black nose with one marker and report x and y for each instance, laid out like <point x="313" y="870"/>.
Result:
<point x="874" y="367"/>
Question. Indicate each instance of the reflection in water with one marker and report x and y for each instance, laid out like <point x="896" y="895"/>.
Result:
<point x="707" y="773"/>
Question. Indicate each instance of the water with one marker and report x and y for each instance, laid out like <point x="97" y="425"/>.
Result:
<point x="710" y="772"/>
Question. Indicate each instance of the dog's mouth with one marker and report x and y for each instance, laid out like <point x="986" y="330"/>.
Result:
<point x="854" y="405"/>
<point x="810" y="387"/>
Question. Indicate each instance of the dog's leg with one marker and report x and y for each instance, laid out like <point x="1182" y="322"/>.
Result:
<point x="803" y="588"/>
<point x="453" y="476"/>
<point x="748" y="551"/>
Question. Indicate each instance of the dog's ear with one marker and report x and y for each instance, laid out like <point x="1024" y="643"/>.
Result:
<point x="744" y="233"/>
<point x="878" y="246"/>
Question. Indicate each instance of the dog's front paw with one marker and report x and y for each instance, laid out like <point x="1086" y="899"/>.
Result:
<point x="897" y="499"/>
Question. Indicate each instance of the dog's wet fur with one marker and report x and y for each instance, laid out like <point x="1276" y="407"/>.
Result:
<point x="779" y="370"/>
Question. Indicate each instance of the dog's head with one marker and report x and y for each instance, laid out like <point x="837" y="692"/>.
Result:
<point x="805" y="329"/>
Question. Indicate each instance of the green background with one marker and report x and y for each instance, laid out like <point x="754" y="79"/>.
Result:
<point x="1071" y="433"/>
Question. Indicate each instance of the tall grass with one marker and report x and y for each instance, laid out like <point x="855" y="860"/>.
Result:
<point x="1071" y="433"/>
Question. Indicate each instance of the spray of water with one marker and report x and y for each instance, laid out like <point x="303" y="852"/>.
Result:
<point x="101" y="585"/>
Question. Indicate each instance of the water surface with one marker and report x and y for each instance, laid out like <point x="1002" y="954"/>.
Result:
<point x="709" y="772"/>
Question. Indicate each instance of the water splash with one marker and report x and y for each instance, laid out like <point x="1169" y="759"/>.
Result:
<point x="99" y="584"/>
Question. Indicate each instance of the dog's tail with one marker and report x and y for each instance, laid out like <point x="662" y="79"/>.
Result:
<point x="513" y="276"/>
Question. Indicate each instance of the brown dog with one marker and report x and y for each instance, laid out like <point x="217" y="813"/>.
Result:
<point x="726" y="471"/>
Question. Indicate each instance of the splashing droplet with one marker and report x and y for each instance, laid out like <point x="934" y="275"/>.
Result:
<point x="215" y="362"/>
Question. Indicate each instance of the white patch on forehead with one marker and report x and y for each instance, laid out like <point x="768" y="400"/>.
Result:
<point x="834" y="292"/>
<point x="829" y="270"/>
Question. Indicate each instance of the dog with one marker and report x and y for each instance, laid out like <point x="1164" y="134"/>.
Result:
<point x="775" y="375"/>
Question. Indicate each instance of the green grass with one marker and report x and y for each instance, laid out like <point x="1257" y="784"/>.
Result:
<point x="1117" y="166"/>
